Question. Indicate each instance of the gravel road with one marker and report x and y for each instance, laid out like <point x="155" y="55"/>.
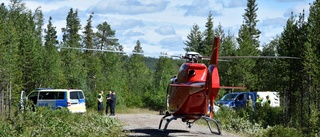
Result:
<point x="147" y="125"/>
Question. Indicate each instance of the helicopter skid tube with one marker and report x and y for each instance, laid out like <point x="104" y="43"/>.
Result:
<point x="208" y="119"/>
<point x="168" y="121"/>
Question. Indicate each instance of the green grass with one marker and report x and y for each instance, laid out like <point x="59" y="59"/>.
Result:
<point x="56" y="123"/>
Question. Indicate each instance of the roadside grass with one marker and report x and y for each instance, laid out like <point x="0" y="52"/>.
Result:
<point x="51" y="123"/>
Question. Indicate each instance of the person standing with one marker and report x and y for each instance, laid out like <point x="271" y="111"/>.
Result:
<point x="249" y="102"/>
<point x="108" y="102"/>
<point x="113" y="104"/>
<point x="268" y="101"/>
<point x="259" y="101"/>
<point x="100" y="101"/>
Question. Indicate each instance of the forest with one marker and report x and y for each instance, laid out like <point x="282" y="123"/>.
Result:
<point x="32" y="57"/>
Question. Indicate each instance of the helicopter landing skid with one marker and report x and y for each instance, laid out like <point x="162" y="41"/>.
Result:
<point x="168" y="121"/>
<point x="207" y="119"/>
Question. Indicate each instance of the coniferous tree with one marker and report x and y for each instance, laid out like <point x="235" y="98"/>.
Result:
<point x="52" y="61"/>
<point x="106" y="37"/>
<point x="208" y="37"/>
<point x="291" y="40"/>
<point x="137" y="69"/>
<point x="194" y="42"/>
<point x="88" y="35"/>
<point x="73" y="66"/>
<point x="10" y="74"/>
<point x="29" y="51"/>
<point x="312" y="71"/>
<point x="227" y="67"/>
<point x="248" y="43"/>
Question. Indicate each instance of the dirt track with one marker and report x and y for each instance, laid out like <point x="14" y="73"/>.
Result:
<point x="147" y="125"/>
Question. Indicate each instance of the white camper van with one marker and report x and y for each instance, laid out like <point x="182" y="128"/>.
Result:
<point x="73" y="99"/>
<point x="273" y="96"/>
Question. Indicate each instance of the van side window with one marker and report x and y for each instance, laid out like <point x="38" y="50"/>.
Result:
<point x="51" y="95"/>
<point x="241" y="97"/>
<point x="76" y="95"/>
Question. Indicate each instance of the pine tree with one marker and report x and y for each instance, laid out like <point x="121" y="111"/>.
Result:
<point x="194" y="42"/>
<point x="311" y="67"/>
<point x="106" y="37"/>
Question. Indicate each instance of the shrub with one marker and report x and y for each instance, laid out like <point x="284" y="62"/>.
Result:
<point x="237" y="121"/>
<point x="46" y="122"/>
<point x="280" y="131"/>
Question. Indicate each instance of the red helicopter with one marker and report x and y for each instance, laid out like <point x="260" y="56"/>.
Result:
<point x="193" y="90"/>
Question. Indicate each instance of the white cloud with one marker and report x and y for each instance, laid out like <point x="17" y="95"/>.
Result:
<point x="130" y="7"/>
<point x="172" y="43"/>
<point x="132" y="33"/>
<point x="296" y="10"/>
<point x="165" y="30"/>
<point x="163" y="25"/>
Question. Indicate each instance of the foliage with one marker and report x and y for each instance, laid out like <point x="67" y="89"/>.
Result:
<point x="280" y="131"/>
<point x="194" y="42"/>
<point x="237" y="121"/>
<point x="26" y="63"/>
<point x="46" y="122"/>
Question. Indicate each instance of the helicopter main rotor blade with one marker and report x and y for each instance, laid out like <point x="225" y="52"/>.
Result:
<point x="261" y="57"/>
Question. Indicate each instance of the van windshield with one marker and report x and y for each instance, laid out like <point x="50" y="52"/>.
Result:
<point x="76" y="95"/>
<point x="229" y="97"/>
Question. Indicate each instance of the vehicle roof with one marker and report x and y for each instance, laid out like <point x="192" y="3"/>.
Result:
<point x="48" y="89"/>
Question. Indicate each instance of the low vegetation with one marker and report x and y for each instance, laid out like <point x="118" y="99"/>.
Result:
<point x="49" y="123"/>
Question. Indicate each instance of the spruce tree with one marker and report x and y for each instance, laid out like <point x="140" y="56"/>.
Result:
<point x="73" y="66"/>
<point x="208" y="37"/>
<point x="248" y="43"/>
<point x="138" y="76"/>
<point x="52" y="61"/>
<point x="194" y="40"/>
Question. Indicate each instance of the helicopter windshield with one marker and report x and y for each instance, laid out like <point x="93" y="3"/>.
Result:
<point x="229" y="97"/>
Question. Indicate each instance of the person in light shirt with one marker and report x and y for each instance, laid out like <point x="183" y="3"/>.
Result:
<point x="100" y="102"/>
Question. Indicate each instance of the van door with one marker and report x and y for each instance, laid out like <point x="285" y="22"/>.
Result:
<point x="240" y="101"/>
<point x="77" y="102"/>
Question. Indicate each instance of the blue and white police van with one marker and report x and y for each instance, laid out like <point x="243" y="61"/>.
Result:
<point x="72" y="99"/>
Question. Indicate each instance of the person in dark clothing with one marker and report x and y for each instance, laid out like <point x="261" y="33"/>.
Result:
<point x="113" y="104"/>
<point x="109" y="102"/>
<point x="100" y="102"/>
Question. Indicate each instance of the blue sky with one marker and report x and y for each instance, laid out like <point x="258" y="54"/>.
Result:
<point x="163" y="25"/>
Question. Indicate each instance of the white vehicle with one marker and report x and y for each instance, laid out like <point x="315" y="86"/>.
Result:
<point x="273" y="96"/>
<point x="73" y="99"/>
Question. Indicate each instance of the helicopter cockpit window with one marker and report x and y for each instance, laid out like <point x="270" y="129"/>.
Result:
<point x="191" y="73"/>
